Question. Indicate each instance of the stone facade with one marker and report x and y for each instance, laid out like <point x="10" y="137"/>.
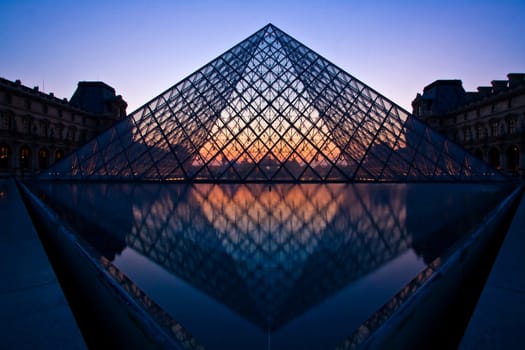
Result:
<point x="489" y="123"/>
<point x="38" y="129"/>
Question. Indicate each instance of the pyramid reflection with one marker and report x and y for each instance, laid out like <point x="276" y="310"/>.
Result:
<point x="269" y="253"/>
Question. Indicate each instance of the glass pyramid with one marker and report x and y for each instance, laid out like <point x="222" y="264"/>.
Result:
<point x="270" y="109"/>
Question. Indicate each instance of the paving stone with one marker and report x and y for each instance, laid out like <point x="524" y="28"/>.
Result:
<point x="34" y="311"/>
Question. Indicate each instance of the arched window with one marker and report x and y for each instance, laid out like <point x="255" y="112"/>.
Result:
<point x="25" y="157"/>
<point x="513" y="158"/>
<point x="494" y="158"/>
<point x="59" y="154"/>
<point x="43" y="158"/>
<point x="5" y="155"/>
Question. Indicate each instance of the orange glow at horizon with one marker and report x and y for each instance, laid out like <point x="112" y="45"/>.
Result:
<point x="278" y="142"/>
<point x="311" y="206"/>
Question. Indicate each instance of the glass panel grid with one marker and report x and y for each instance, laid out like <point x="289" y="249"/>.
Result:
<point x="271" y="109"/>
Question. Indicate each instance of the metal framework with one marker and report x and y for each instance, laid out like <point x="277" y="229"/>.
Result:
<point x="271" y="110"/>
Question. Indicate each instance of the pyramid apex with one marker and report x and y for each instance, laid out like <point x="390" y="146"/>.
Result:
<point x="270" y="26"/>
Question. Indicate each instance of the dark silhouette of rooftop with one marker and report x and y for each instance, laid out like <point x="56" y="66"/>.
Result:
<point x="96" y="97"/>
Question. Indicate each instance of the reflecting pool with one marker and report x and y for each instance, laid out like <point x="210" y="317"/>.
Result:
<point x="278" y="266"/>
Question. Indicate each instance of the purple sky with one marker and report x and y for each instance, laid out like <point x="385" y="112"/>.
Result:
<point x="142" y="48"/>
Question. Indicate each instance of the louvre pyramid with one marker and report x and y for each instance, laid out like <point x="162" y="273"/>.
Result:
<point x="271" y="109"/>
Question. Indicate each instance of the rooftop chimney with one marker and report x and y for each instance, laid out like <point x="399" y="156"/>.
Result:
<point x="516" y="79"/>
<point x="484" y="91"/>
<point x="498" y="85"/>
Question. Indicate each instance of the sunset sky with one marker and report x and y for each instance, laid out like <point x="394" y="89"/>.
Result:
<point x="142" y="48"/>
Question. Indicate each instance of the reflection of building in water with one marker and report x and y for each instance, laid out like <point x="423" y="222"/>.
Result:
<point x="95" y="212"/>
<point x="38" y="129"/>
<point x="435" y="228"/>
<point x="270" y="253"/>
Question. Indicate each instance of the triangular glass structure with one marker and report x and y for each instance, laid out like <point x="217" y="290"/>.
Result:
<point x="270" y="109"/>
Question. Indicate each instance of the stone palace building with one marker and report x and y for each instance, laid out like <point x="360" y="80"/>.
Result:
<point x="37" y="129"/>
<point x="490" y="123"/>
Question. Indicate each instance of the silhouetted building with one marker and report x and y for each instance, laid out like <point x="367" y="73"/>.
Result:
<point x="490" y="123"/>
<point x="37" y="129"/>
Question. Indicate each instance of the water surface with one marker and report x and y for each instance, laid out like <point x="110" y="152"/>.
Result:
<point x="282" y="266"/>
